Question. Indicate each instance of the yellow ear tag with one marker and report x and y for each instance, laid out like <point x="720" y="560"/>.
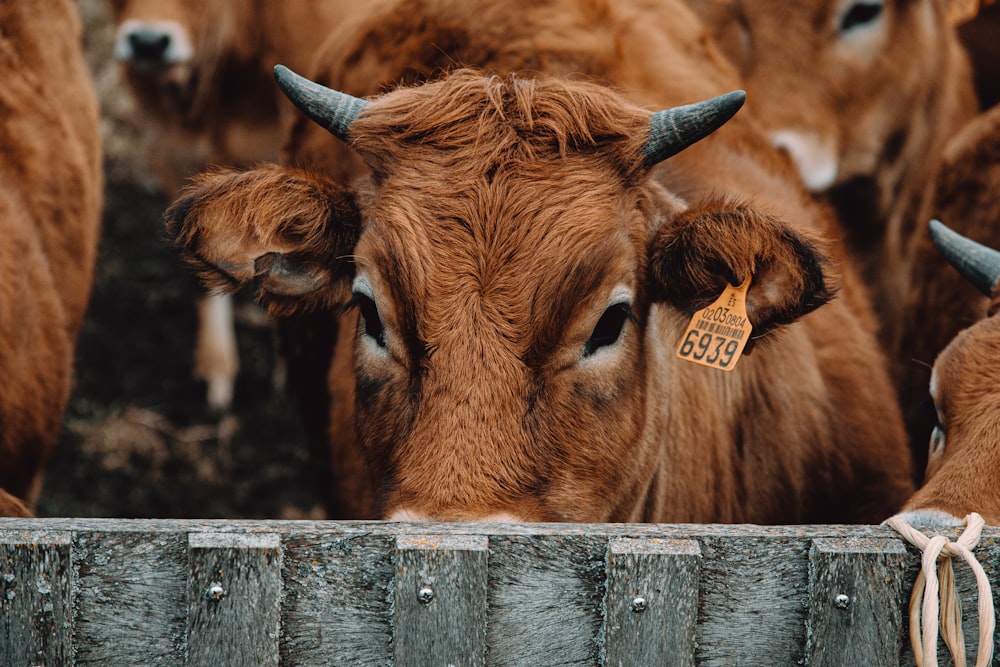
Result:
<point x="717" y="335"/>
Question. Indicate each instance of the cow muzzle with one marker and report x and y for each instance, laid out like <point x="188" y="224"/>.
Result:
<point x="153" y="45"/>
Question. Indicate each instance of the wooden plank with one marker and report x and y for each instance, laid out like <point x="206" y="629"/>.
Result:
<point x="651" y="601"/>
<point x="754" y="583"/>
<point x="36" y="618"/>
<point x="440" y="600"/>
<point x="234" y="595"/>
<point x="336" y="608"/>
<point x="545" y="599"/>
<point x="856" y="602"/>
<point x="130" y="598"/>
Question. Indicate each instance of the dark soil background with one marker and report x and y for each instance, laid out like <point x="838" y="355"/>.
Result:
<point x="137" y="440"/>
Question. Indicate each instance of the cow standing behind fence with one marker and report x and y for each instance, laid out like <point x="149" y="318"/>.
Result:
<point x="50" y="202"/>
<point x="963" y="471"/>
<point x="201" y="74"/>
<point x="522" y="264"/>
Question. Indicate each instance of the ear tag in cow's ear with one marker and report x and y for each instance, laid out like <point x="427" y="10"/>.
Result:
<point x="717" y="335"/>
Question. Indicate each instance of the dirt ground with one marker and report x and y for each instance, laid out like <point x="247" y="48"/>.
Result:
<point x="137" y="440"/>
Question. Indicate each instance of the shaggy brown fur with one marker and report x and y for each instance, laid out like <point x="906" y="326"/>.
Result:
<point x="50" y="200"/>
<point x="514" y="323"/>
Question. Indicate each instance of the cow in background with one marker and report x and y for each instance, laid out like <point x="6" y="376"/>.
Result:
<point x="200" y="71"/>
<point x="51" y="189"/>
<point x="521" y="254"/>
<point x="862" y="95"/>
<point x="963" y="469"/>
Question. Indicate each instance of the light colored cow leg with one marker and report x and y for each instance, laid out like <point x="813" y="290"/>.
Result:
<point x="216" y="360"/>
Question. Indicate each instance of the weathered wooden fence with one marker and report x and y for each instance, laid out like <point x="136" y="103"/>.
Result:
<point x="142" y="593"/>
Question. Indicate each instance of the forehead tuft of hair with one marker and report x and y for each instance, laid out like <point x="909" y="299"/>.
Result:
<point x="472" y="115"/>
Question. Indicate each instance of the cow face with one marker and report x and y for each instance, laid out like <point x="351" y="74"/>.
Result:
<point x="516" y="282"/>
<point x="963" y="470"/>
<point x="851" y="89"/>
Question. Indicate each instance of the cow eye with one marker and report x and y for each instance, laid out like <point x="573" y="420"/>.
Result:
<point x="369" y="318"/>
<point x="937" y="442"/>
<point x="860" y="14"/>
<point x="609" y="328"/>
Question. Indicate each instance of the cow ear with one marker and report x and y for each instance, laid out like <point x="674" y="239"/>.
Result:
<point x="292" y="230"/>
<point x="695" y="256"/>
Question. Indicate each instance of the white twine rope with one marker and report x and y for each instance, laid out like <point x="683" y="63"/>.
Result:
<point x="938" y="551"/>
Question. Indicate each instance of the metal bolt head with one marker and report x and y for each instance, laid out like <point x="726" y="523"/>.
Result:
<point x="425" y="595"/>
<point x="215" y="591"/>
<point x="638" y="604"/>
<point x="842" y="601"/>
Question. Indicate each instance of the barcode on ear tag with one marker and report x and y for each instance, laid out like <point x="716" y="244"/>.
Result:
<point x="716" y="335"/>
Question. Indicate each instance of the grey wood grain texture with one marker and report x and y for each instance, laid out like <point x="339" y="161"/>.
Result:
<point x="753" y="600"/>
<point x="35" y="599"/>
<point x="336" y="608"/>
<point x="651" y="604"/>
<point x="130" y="603"/>
<point x="545" y="599"/>
<point x="440" y="600"/>
<point x="234" y="594"/>
<point x="855" y="602"/>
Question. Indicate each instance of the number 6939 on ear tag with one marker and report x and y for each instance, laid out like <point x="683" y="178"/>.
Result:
<point x="716" y="335"/>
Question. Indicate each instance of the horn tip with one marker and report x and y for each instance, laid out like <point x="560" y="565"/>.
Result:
<point x="282" y="73"/>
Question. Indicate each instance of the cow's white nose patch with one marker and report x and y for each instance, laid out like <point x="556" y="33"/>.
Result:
<point x="815" y="161"/>
<point x="177" y="43"/>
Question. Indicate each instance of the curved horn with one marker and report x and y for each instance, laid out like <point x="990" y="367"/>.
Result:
<point x="673" y="130"/>
<point x="978" y="263"/>
<point x="331" y="109"/>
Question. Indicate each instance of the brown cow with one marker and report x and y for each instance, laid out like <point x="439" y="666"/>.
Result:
<point x="963" y="471"/>
<point x="522" y="262"/>
<point x="50" y="201"/>
<point x="200" y="71"/>
<point x="863" y="95"/>
<point x="966" y="198"/>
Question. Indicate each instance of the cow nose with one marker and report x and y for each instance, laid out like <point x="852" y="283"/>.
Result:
<point x="153" y="45"/>
<point x="813" y="157"/>
<point x="148" y="45"/>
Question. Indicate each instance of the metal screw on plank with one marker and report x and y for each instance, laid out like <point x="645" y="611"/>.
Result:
<point x="638" y="604"/>
<point x="215" y="591"/>
<point x="842" y="601"/>
<point x="425" y="595"/>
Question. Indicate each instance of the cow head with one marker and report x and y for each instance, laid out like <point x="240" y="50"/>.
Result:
<point x="170" y="49"/>
<point x="516" y="275"/>
<point x="963" y="470"/>
<point x="856" y="91"/>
